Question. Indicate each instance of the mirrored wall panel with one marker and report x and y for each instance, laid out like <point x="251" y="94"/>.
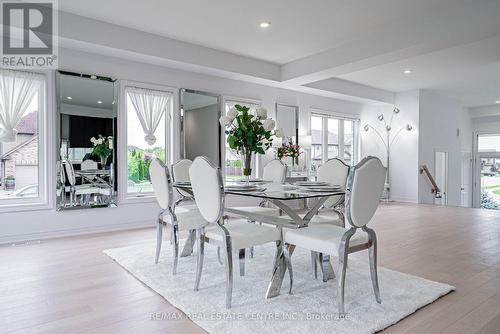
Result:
<point x="200" y="128"/>
<point x="287" y="119"/>
<point x="87" y="119"/>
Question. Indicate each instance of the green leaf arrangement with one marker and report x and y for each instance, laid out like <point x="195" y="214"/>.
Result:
<point x="247" y="133"/>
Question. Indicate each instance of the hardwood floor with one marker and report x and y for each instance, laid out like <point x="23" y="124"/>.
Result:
<point x="68" y="285"/>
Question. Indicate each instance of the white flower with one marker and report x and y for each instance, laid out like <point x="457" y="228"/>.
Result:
<point x="268" y="124"/>
<point x="232" y="113"/>
<point x="225" y="121"/>
<point x="110" y="144"/>
<point x="99" y="141"/>
<point x="261" y="113"/>
<point x="92" y="140"/>
<point x="279" y="133"/>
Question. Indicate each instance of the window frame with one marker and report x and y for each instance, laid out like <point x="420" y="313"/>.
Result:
<point x="123" y="196"/>
<point x="236" y="100"/>
<point x="325" y="116"/>
<point x="46" y="160"/>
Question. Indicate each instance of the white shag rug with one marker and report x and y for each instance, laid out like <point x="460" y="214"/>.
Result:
<point x="311" y="308"/>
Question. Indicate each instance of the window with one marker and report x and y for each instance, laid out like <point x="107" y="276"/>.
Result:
<point x="488" y="143"/>
<point x="22" y="138"/>
<point x="333" y="137"/>
<point x="233" y="163"/>
<point x="147" y="114"/>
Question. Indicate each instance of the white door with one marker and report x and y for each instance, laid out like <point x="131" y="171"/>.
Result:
<point x="465" y="190"/>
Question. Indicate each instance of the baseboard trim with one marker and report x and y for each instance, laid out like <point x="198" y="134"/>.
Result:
<point x="25" y="237"/>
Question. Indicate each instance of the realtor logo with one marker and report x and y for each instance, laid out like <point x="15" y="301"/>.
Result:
<point x="29" y="34"/>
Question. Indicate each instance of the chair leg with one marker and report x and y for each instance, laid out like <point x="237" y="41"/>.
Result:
<point x="159" y="235"/>
<point x="342" y="271"/>
<point x="241" y="256"/>
<point x="372" y="254"/>
<point x="288" y="251"/>
<point x="251" y="252"/>
<point x="229" y="272"/>
<point x="201" y="254"/>
<point x="175" y="232"/>
<point x="343" y="254"/>
<point x="314" y="262"/>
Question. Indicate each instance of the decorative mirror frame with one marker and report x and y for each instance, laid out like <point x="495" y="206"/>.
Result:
<point x="182" y="133"/>
<point x="296" y="108"/>
<point x="114" y="174"/>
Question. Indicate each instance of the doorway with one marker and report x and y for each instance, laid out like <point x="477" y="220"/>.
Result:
<point x="441" y="175"/>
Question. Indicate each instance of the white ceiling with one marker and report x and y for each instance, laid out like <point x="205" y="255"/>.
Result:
<point x="452" y="45"/>
<point x="86" y="92"/>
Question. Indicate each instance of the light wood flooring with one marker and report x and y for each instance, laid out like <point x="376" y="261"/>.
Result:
<point x="68" y="285"/>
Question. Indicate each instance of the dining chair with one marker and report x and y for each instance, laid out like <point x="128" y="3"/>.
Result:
<point x="75" y="190"/>
<point x="274" y="171"/>
<point x="364" y="189"/>
<point x="180" y="173"/>
<point x="88" y="164"/>
<point x="334" y="172"/>
<point x="237" y="234"/>
<point x="179" y="219"/>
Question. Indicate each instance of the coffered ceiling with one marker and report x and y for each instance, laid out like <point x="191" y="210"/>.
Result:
<point x="339" y="48"/>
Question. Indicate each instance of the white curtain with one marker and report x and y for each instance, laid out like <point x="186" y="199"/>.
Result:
<point x="150" y="106"/>
<point x="17" y="89"/>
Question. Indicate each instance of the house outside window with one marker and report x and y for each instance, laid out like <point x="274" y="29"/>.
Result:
<point x="143" y="142"/>
<point x="22" y="155"/>
<point x="334" y="137"/>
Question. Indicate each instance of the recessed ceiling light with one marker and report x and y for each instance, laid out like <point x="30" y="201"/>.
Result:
<point x="408" y="71"/>
<point x="69" y="98"/>
<point x="265" y="24"/>
<point x="113" y="102"/>
<point x="497" y="102"/>
<point x="100" y="102"/>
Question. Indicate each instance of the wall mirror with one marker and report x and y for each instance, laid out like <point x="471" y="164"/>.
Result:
<point x="287" y="119"/>
<point x="200" y="129"/>
<point x="87" y="120"/>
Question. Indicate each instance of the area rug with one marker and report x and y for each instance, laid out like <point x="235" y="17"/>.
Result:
<point x="311" y="308"/>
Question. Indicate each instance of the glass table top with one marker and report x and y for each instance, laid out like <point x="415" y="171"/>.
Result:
<point x="274" y="190"/>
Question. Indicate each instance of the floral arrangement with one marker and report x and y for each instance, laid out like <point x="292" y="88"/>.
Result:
<point x="248" y="134"/>
<point x="289" y="150"/>
<point x="103" y="147"/>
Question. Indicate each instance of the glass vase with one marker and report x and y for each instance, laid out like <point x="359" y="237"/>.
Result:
<point x="246" y="159"/>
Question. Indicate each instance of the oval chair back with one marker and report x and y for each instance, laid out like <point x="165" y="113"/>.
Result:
<point x="162" y="184"/>
<point x="206" y="182"/>
<point x="180" y="173"/>
<point x="335" y="172"/>
<point x="274" y="171"/>
<point x="70" y="172"/>
<point x="88" y="164"/>
<point x="364" y="190"/>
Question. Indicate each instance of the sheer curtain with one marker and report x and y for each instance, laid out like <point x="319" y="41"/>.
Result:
<point x="17" y="89"/>
<point x="150" y="106"/>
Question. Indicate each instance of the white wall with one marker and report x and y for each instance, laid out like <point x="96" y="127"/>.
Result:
<point x="440" y="118"/>
<point x="404" y="150"/>
<point x="48" y="223"/>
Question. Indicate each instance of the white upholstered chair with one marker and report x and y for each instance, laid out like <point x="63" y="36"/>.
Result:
<point x="84" y="190"/>
<point x="180" y="173"/>
<point x="363" y="193"/>
<point x="274" y="171"/>
<point x="179" y="219"/>
<point x="88" y="164"/>
<point x="237" y="234"/>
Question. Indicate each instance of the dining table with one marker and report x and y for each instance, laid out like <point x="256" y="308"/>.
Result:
<point x="284" y="196"/>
